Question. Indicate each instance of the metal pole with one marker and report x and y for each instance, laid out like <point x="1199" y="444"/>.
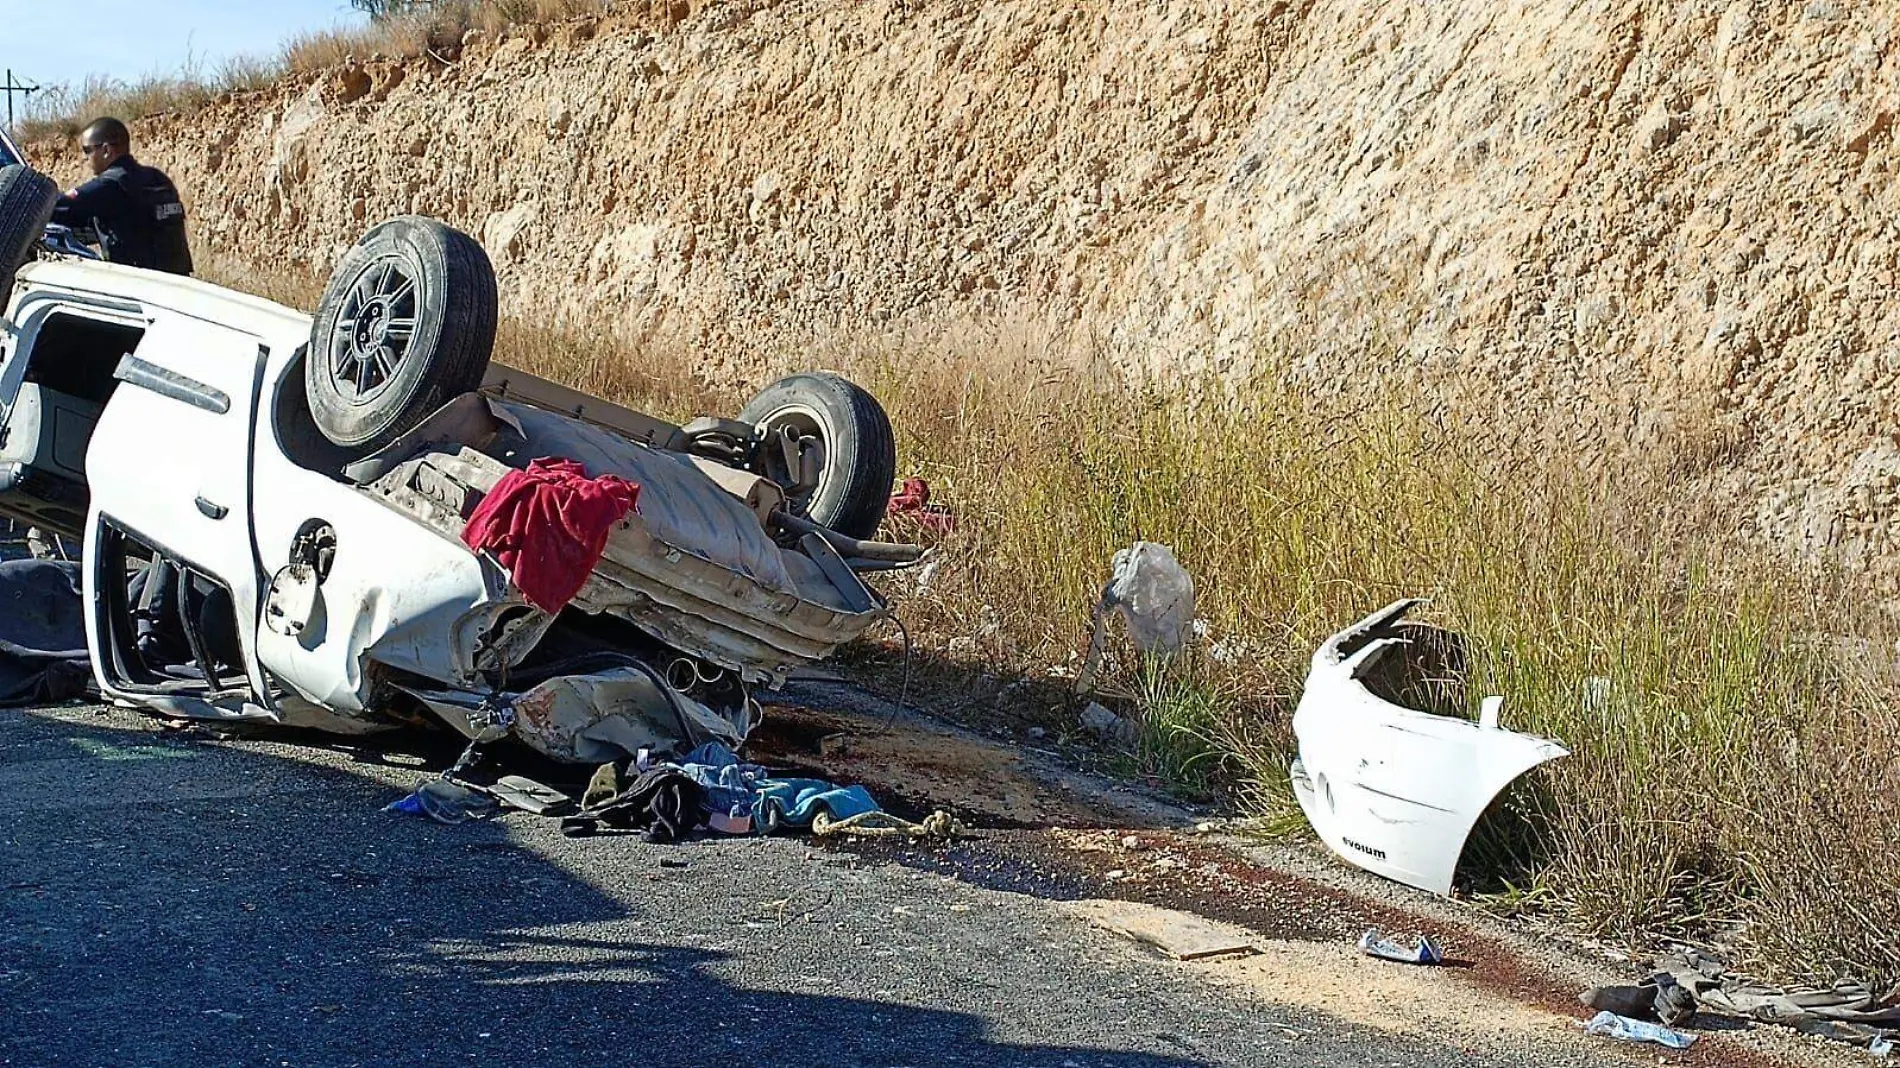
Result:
<point x="11" y="87"/>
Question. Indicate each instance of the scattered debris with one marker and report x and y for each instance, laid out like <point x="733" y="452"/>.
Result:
<point x="713" y="788"/>
<point x="1596" y="693"/>
<point x="1881" y="1046"/>
<point x="1105" y="724"/>
<point x="726" y="823"/>
<point x="1375" y="943"/>
<point x="1391" y="772"/>
<point x="1181" y="935"/>
<point x="1846" y="1012"/>
<point x="1659" y="997"/>
<point x="523" y="793"/>
<point x="225" y="1014"/>
<point x="911" y="502"/>
<point x="1151" y="591"/>
<point x="445" y="801"/>
<point x="663" y="803"/>
<point x="1610" y="1025"/>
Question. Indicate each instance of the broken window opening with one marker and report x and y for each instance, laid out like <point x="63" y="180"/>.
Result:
<point x="169" y="628"/>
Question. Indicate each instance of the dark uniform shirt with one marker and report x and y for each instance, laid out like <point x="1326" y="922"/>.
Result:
<point x="137" y="214"/>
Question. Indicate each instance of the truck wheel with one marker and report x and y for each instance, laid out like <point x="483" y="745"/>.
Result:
<point x="26" y="204"/>
<point x="407" y="323"/>
<point x="856" y="454"/>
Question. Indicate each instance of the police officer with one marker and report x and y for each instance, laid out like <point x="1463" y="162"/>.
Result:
<point x="134" y="209"/>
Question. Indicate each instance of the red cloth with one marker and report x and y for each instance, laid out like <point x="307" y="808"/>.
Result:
<point x="913" y="499"/>
<point x="548" y="526"/>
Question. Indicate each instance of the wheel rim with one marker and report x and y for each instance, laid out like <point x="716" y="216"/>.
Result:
<point x="806" y="422"/>
<point x="374" y="329"/>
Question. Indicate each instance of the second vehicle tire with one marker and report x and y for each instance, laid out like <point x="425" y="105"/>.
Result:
<point x="858" y="452"/>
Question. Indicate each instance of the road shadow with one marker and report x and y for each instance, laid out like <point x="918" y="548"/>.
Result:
<point x="260" y="910"/>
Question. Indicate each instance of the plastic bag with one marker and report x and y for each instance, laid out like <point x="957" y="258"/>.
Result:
<point x="1150" y="590"/>
<point x="1375" y="943"/>
<point x="1610" y="1025"/>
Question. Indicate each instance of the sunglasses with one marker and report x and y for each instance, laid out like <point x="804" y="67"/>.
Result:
<point x="90" y="149"/>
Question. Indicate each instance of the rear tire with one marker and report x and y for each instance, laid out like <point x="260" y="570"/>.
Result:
<point x="27" y="198"/>
<point x="859" y="452"/>
<point x="406" y="324"/>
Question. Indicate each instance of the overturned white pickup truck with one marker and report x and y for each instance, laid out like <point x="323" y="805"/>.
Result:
<point x="270" y="505"/>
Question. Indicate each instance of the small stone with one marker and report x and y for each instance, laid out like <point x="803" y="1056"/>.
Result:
<point x="1131" y="842"/>
<point x="1036" y="734"/>
<point x="1115" y="873"/>
<point x="1107" y="724"/>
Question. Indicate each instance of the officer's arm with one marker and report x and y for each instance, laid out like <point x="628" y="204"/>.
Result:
<point x="79" y="207"/>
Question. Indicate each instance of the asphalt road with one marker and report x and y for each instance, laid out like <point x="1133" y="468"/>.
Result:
<point x="186" y="901"/>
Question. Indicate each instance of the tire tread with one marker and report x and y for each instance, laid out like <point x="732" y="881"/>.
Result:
<point x="27" y="199"/>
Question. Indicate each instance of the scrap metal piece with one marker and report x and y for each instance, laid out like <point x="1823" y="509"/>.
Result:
<point x="1846" y="1010"/>
<point x="1395" y="789"/>
<point x="531" y="796"/>
<point x="592" y="718"/>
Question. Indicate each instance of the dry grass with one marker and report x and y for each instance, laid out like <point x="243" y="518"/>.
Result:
<point x="62" y="111"/>
<point x="1734" y="784"/>
<point x="439" y="29"/>
<point x="1740" y="780"/>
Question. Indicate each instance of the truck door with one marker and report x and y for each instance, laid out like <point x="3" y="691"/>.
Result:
<point x="170" y="459"/>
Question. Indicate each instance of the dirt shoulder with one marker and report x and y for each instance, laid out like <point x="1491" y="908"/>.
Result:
<point x="1041" y="828"/>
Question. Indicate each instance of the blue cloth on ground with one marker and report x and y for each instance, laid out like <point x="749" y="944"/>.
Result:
<point x="733" y="788"/>
<point x="728" y="786"/>
<point x="796" y="801"/>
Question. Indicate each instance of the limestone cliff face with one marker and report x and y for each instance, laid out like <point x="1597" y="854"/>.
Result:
<point x="1666" y="226"/>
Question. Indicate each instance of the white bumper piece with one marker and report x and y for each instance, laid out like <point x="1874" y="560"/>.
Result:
<point x="1390" y="788"/>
